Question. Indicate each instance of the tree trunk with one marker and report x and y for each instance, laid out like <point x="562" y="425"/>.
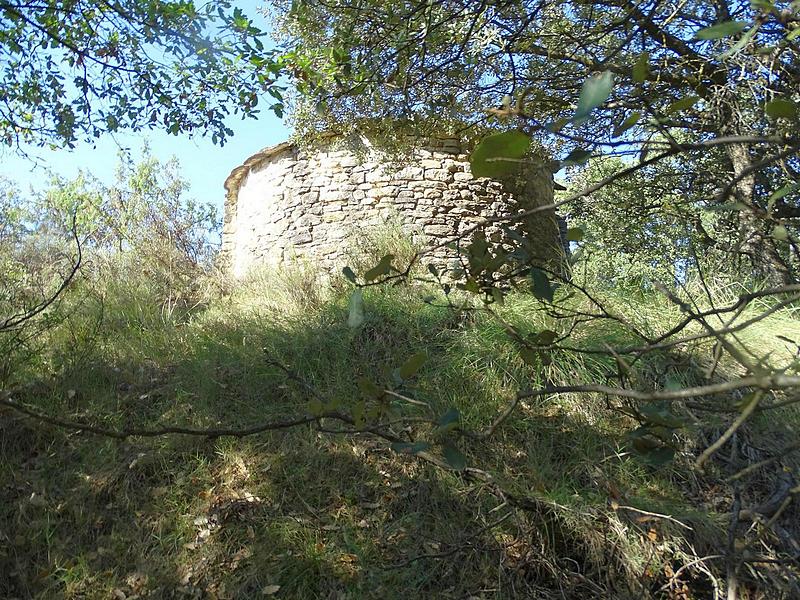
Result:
<point x="757" y="244"/>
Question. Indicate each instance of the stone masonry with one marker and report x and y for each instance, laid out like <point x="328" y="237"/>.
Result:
<point x="285" y="202"/>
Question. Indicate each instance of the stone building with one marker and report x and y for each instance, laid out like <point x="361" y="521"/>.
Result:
<point x="286" y="202"/>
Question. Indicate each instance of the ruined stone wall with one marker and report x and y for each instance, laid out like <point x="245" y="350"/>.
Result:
<point x="285" y="203"/>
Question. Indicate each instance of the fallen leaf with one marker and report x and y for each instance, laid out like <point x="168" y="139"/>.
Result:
<point x="270" y="590"/>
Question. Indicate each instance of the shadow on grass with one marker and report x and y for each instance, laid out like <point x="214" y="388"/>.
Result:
<point x="319" y="518"/>
<point x="304" y="515"/>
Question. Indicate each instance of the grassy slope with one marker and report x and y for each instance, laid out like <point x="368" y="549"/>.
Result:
<point x="336" y="516"/>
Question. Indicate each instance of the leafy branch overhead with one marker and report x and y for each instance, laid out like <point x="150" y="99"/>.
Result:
<point x="76" y="70"/>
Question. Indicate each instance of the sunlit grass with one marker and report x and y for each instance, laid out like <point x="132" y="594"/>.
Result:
<point x="335" y="516"/>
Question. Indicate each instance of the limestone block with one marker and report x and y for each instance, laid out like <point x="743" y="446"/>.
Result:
<point x="451" y="195"/>
<point x="430" y="163"/>
<point x="321" y="180"/>
<point x="303" y="237"/>
<point x="388" y="190"/>
<point x="439" y="230"/>
<point x="438" y="175"/>
<point x="436" y="185"/>
<point x="377" y="175"/>
<point x="409" y="173"/>
<point x="332" y="195"/>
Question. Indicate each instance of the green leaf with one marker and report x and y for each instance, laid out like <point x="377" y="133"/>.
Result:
<point x="355" y="316"/>
<point x="743" y="41"/>
<point x="557" y="126"/>
<point x="659" y="414"/>
<point x="546" y="337"/>
<point x="574" y="234"/>
<point x="454" y="457"/>
<point x="632" y="119"/>
<point x="410" y="447"/>
<point x="369" y="389"/>
<point x="641" y="68"/>
<point x="316" y="407"/>
<point x="595" y="91"/>
<point x="726" y="207"/>
<point x="780" y="233"/>
<point x="658" y="457"/>
<point x="348" y="273"/>
<point x="542" y="288"/>
<point x="793" y="34"/>
<point x="358" y="415"/>
<point x="498" y="154"/>
<point x="449" y="420"/>
<point x="577" y="157"/>
<point x="682" y="104"/>
<point x="762" y="5"/>
<point x="383" y="267"/>
<point x="412" y="365"/>
<point x="470" y="286"/>
<point x="720" y="30"/>
<point x="497" y="296"/>
<point x="780" y="193"/>
<point x="530" y="357"/>
<point x="642" y="440"/>
<point x="781" y="109"/>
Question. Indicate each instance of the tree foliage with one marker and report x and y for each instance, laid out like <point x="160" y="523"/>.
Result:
<point x="140" y="237"/>
<point x="714" y="86"/>
<point x="77" y="69"/>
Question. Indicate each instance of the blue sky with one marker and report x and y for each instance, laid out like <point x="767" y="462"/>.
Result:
<point x="203" y="164"/>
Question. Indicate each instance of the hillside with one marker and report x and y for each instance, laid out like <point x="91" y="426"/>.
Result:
<point x="553" y="503"/>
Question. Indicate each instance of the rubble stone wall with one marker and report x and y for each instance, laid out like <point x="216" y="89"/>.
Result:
<point x="286" y="203"/>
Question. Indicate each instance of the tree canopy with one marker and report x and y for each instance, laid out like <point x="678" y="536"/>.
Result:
<point x="715" y="84"/>
<point x="76" y="69"/>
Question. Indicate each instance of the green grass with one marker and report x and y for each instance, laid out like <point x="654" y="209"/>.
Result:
<point x="334" y="516"/>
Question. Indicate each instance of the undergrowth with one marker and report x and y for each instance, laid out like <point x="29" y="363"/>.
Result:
<point x="304" y="514"/>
